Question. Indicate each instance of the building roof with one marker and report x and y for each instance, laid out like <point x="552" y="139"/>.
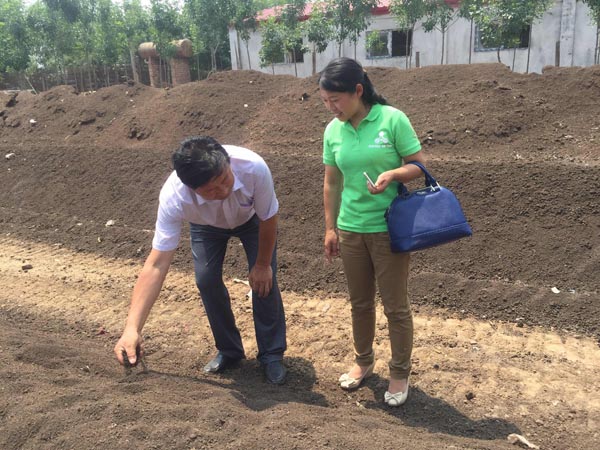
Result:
<point x="382" y="8"/>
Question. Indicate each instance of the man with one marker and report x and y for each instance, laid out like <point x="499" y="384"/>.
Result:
<point x="223" y="192"/>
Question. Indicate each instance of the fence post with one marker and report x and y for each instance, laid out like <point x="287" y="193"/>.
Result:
<point x="418" y="59"/>
<point x="557" y="57"/>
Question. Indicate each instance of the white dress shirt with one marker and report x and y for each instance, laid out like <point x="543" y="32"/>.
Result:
<point x="252" y="193"/>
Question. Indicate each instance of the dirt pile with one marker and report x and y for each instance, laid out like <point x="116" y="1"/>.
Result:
<point x="80" y="179"/>
<point x="521" y="151"/>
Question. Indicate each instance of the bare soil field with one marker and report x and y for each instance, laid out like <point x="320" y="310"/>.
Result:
<point x="507" y="323"/>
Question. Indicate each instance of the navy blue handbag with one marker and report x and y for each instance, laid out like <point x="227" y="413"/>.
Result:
<point x="425" y="217"/>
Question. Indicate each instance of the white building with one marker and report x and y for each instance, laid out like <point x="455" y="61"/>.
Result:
<point x="565" y="34"/>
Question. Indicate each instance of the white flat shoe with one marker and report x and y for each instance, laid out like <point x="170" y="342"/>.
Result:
<point x="396" y="399"/>
<point x="347" y="382"/>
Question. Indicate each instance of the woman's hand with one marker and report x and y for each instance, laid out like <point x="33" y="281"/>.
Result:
<point x="383" y="181"/>
<point x="332" y="245"/>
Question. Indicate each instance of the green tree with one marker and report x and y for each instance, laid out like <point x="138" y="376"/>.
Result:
<point x="244" y="22"/>
<point x="136" y="24"/>
<point x="319" y="32"/>
<point x="14" y="45"/>
<point x="594" y="6"/>
<point x="468" y="9"/>
<point x="501" y="22"/>
<point x="407" y="14"/>
<point x="213" y="19"/>
<point x="271" y="50"/>
<point x="349" y="19"/>
<point x="438" y="16"/>
<point x="52" y="40"/>
<point x="111" y="42"/>
<point x="291" y="31"/>
<point x="165" y="27"/>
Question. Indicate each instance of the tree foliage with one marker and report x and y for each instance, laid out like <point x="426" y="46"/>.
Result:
<point x="271" y="50"/>
<point x="438" y="15"/>
<point x="349" y="19"/>
<point x="407" y="14"/>
<point x="501" y="22"/>
<point x="14" y="36"/>
<point x="594" y="6"/>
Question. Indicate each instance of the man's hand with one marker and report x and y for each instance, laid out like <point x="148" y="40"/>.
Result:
<point x="130" y="341"/>
<point x="332" y="245"/>
<point x="261" y="279"/>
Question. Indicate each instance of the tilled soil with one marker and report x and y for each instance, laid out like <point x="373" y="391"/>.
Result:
<point x="521" y="152"/>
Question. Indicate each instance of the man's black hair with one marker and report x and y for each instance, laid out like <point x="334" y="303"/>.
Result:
<point x="198" y="160"/>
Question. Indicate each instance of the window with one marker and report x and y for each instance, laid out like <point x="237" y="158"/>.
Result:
<point x="521" y="38"/>
<point x="298" y="55"/>
<point x="388" y="43"/>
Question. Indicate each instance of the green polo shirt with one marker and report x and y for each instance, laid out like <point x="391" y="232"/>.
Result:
<point x="379" y="143"/>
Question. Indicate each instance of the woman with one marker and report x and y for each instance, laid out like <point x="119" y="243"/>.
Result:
<point x="368" y="135"/>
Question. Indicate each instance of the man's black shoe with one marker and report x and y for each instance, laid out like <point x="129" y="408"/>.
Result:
<point x="275" y="372"/>
<point x="219" y="363"/>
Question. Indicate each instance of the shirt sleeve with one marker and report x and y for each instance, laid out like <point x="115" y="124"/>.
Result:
<point x="266" y="204"/>
<point x="168" y="228"/>
<point x="406" y="140"/>
<point x="328" y="156"/>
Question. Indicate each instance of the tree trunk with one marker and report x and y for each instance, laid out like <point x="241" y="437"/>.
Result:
<point x="160" y="72"/>
<point x="529" y="47"/>
<point x="134" y="70"/>
<point x="314" y="59"/>
<point x="238" y="51"/>
<point x="295" y="65"/>
<point x="596" y="50"/>
<point x="213" y="59"/>
<point x="248" y="55"/>
<point x="273" y="68"/>
<point x="471" y="42"/>
<point x="89" y="74"/>
<point x="412" y="36"/>
<point x="406" y="50"/>
<point x="514" y="56"/>
<point x="498" y="55"/>
<point x="443" y="45"/>
<point x="82" y="79"/>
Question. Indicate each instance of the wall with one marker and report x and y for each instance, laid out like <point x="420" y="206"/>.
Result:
<point x="567" y="21"/>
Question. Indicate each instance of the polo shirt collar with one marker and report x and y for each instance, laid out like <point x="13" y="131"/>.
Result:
<point x="371" y="117"/>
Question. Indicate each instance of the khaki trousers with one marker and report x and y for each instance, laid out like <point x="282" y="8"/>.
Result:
<point x="368" y="261"/>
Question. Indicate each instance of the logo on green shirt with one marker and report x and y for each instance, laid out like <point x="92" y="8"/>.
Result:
<point x="381" y="141"/>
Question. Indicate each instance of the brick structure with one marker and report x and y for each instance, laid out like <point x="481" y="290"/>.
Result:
<point x="180" y="66"/>
<point x="180" y="63"/>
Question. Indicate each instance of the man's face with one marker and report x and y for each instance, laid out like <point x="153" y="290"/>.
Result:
<point x="219" y="187"/>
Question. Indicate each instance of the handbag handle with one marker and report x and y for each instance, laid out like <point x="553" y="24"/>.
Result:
<point x="429" y="180"/>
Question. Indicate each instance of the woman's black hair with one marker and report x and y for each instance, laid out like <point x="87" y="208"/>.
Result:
<point x="198" y="160"/>
<point x="343" y="74"/>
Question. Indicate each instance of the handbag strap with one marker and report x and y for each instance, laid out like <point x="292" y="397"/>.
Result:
<point x="429" y="180"/>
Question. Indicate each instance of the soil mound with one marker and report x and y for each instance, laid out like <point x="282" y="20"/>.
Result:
<point x="521" y="151"/>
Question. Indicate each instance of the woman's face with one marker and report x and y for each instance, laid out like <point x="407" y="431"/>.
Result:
<point x="343" y="105"/>
<point x="219" y="187"/>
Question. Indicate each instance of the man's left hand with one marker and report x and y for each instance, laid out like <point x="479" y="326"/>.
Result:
<point x="261" y="280"/>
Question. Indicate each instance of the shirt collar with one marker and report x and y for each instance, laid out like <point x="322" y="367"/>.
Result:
<point x="371" y="117"/>
<point x="374" y="113"/>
